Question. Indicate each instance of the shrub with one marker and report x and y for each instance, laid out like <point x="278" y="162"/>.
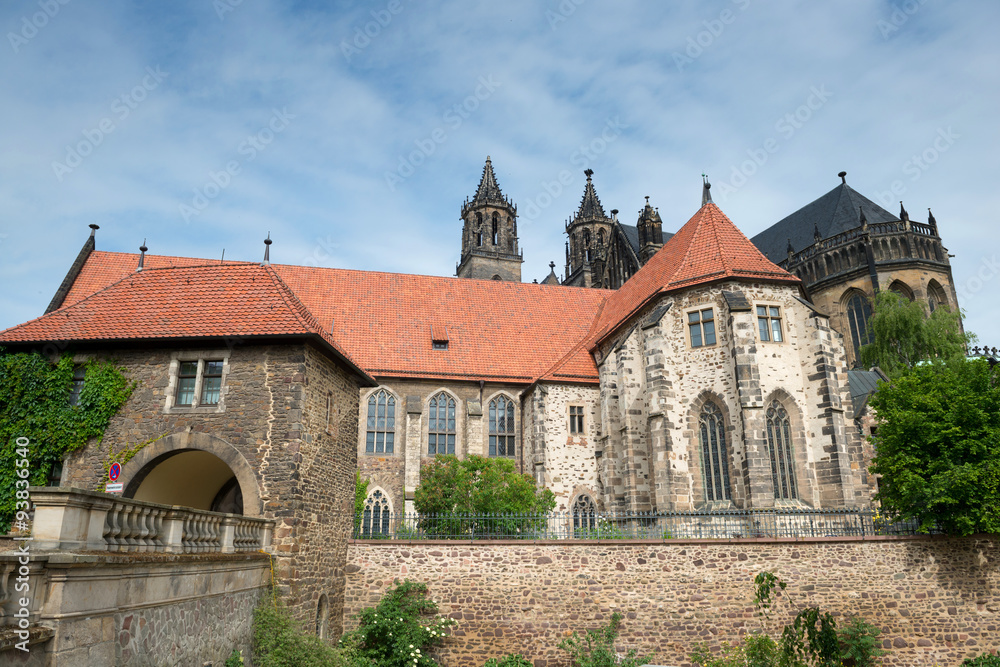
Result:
<point x="985" y="660"/>
<point x="756" y="651"/>
<point x="235" y="659"/>
<point x="398" y="631"/>
<point x="597" y="648"/>
<point x="859" y="643"/>
<point x="512" y="660"/>
<point x="278" y="641"/>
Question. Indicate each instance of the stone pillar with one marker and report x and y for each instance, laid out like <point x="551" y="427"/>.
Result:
<point x="668" y="490"/>
<point x="413" y="446"/>
<point x="610" y="463"/>
<point x="475" y="443"/>
<point x="635" y="449"/>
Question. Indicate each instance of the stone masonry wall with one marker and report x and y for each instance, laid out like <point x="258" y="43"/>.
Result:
<point x="936" y="600"/>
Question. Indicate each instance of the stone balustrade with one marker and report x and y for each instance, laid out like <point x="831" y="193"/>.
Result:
<point x="73" y="519"/>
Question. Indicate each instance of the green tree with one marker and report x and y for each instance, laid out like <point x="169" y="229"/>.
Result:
<point x="903" y="335"/>
<point x="937" y="447"/>
<point x="477" y="496"/>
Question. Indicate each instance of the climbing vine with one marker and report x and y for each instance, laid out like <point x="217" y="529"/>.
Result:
<point x="35" y="404"/>
<point x="123" y="456"/>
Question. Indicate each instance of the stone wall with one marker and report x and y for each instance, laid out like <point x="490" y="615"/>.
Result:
<point x="937" y="600"/>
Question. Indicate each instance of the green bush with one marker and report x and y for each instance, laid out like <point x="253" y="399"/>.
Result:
<point x="985" y="660"/>
<point x="400" y="629"/>
<point x="235" y="659"/>
<point x="597" y="648"/>
<point x="512" y="660"/>
<point x="278" y="641"/>
<point x="859" y="643"/>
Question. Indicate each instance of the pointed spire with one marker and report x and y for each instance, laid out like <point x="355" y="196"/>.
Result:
<point x="862" y="219"/>
<point x="267" y="250"/>
<point x="931" y="221"/>
<point x="142" y="255"/>
<point x="790" y="249"/>
<point x="817" y="237"/>
<point x="706" y="190"/>
<point x="590" y="205"/>
<point x="489" y="190"/>
<point x="903" y="215"/>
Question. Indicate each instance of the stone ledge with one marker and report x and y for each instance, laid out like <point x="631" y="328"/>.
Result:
<point x="36" y="635"/>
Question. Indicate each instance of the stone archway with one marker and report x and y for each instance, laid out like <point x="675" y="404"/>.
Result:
<point x="213" y="464"/>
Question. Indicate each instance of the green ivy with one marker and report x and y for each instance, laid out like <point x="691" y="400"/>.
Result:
<point x="34" y="404"/>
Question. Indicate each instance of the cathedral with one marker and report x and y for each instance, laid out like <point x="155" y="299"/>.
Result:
<point x="664" y="371"/>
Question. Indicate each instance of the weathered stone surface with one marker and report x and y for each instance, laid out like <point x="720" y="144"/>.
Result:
<point x="930" y="597"/>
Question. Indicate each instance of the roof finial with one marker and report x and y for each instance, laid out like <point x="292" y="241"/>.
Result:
<point x="142" y="255"/>
<point x="843" y="177"/>
<point x="93" y="228"/>
<point x="267" y="250"/>
<point x="789" y="248"/>
<point x="816" y="235"/>
<point x="862" y="219"/>
<point x="903" y="215"/>
<point x="706" y="190"/>
<point x="931" y="221"/>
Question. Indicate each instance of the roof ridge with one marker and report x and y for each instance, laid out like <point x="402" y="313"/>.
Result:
<point x="563" y="360"/>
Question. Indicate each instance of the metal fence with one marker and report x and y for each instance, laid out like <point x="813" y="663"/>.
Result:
<point x="716" y="524"/>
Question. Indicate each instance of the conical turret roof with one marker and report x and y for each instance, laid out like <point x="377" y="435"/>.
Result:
<point x="489" y="189"/>
<point x="590" y="205"/>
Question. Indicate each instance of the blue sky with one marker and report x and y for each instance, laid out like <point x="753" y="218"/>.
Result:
<point x="353" y="133"/>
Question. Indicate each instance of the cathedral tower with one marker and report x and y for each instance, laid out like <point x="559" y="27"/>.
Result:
<point x="489" y="234"/>
<point x="650" y="232"/>
<point x="589" y="231"/>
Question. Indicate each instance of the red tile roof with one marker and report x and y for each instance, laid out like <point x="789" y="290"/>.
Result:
<point x="708" y="248"/>
<point x="386" y="322"/>
<point x="229" y="301"/>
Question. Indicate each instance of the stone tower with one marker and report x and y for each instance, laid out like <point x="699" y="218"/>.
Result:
<point x="489" y="234"/>
<point x="589" y="231"/>
<point x="650" y="232"/>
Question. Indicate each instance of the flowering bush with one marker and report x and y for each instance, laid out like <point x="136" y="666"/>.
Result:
<point x="398" y="632"/>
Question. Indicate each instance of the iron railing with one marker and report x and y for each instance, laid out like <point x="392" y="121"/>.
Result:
<point x="713" y="524"/>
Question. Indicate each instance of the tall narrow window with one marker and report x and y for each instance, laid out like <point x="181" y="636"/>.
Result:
<point x="77" y="387"/>
<point x="375" y="519"/>
<point x="576" y="419"/>
<point x="186" y="376"/>
<point x="779" y="444"/>
<point x="769" y="322"/>
<point x="496" y="229"/>
<point x="858" y="313"/>
<point x="441" y="425"/>
<point x="701" y="324"/>
<point x="381" y="423"/>
<point x="584" y="515"/>
<point x="211" y="383"/>
<point x="714" y="457"/>
<point x="329" y="412"/>
<point x="501" y="427"/>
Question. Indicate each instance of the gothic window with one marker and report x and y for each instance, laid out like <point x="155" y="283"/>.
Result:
<point x="712" y="438"/>
<point x="576" y="419"/>
<point x="701" y="324"/>
<point x="859" y="311"/>
<point x="935" y="295"/>
<point x="375" y="519"/>
<point x="779" y="445"/>
<point x="496" y="229"/>
<point x="901" y="289"/>
<point x="479" y="238"/>
<point x="769" y="323"/>
<point x="501" y="427"/>
<point x="381" y="423"/>
<point x="441" y="425"/>
<point x="586" y="237"/>
<point x="584" y="515"/>
<point x="600" y="237"/>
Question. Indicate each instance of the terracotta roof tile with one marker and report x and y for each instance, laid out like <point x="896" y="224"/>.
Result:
<point x="706" y="249"/>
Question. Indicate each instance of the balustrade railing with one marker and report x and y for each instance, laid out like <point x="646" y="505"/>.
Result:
<point x="86" y="520"/>
<point x="845" y="238"/>
<point x="715" y="524"/>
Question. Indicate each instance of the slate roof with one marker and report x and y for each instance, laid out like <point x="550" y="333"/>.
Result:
<point x="835" y="212"/>
<point x="632" y="236"/>
<point x="708" y="248"/>
<point x="862" y="385"/>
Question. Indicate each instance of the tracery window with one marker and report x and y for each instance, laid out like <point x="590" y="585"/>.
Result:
<point x="501" y="427"/>
<point x="441" y="425"/>
<point x="714" y="457"/>
<point x="584" y="515"/>
<point x="375" y="519"/>
<point x="381" y="423"/>
<point x="779" y="444"/>
<point x="859" y="311"/>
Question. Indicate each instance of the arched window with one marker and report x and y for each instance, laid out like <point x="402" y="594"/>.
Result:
<point x="375" y="519"/>
<point x="584" y="515"/>
<point x="479" y="238"/>
<point x="501" y="427"/>
<point x="859" y="311"/>
<point x="441" y="425"/>
<point x="901" y="289"/>
<point x="586" y="237"/>
<point x="600" y="237"/>
<point x="496" y="228"/>
<point x="712" y="438"/>
<point x="381" y="423"/>
<point x="779" y="445"/>
<point x="935" y="295"/>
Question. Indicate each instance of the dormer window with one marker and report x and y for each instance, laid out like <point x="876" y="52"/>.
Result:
<point x="439" y="337"/>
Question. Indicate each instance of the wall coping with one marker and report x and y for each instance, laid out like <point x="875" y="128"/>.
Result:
<point x="678" y="542"/>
